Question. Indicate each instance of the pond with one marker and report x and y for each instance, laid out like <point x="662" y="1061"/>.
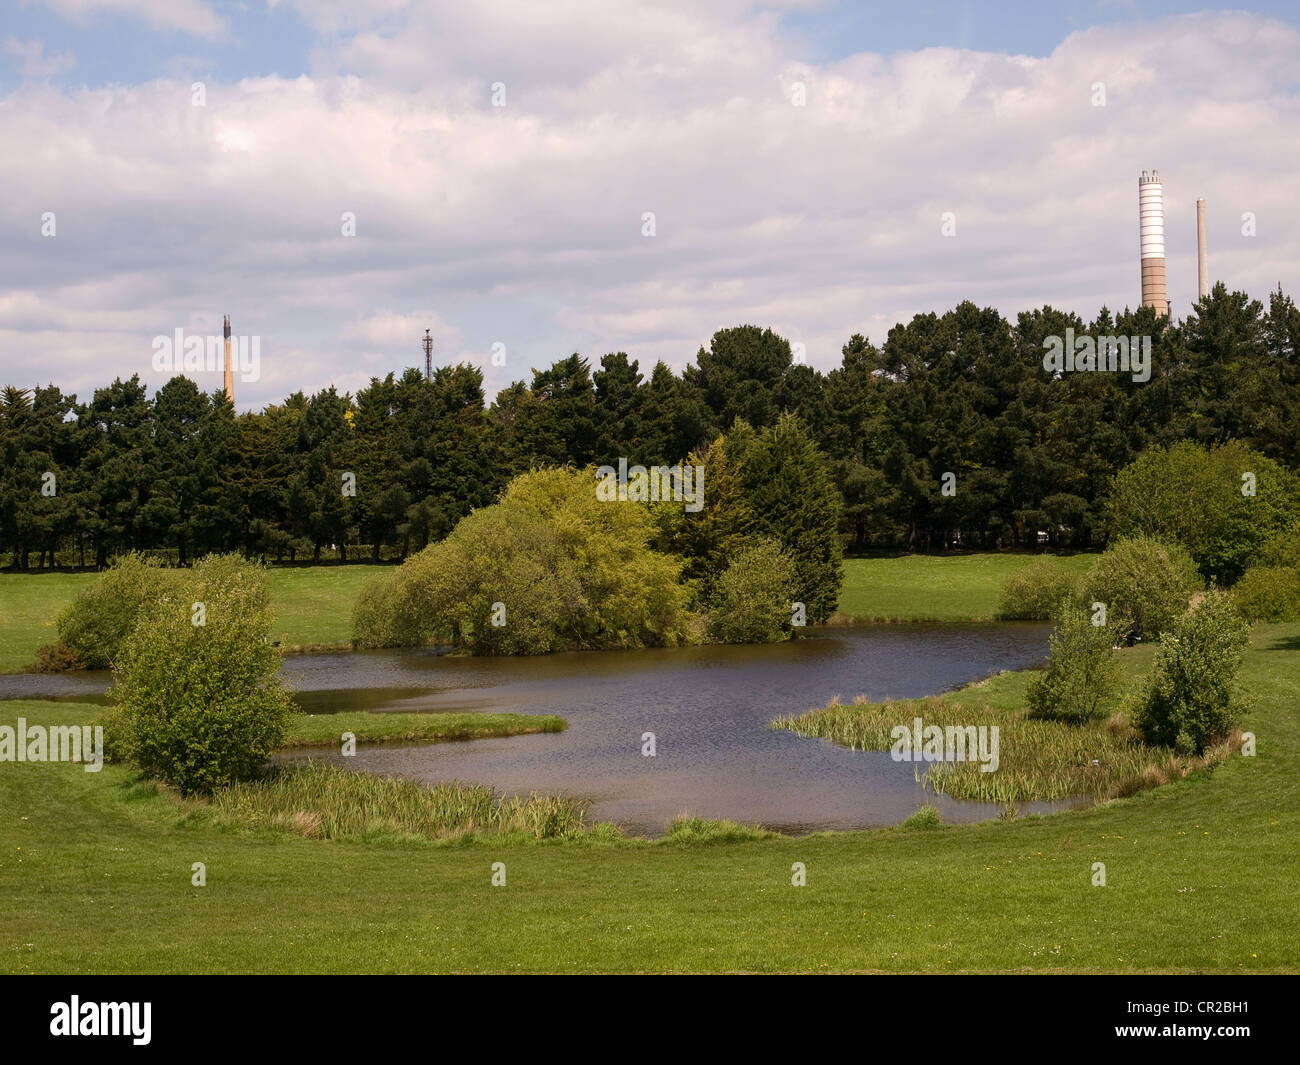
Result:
<point x="709" y="708"/>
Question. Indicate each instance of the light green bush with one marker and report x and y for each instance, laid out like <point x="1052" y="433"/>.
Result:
<point x="1269" y="593"/>
<point x="1148" y="582"/>
<point x="926" y="817"/>
<point x="1082" y="672"/>
<point x="567" y="570"/>
<point x="204" y="702"/>
<point x="1191" y="697"/>
<point x="97" y="622"/>
<point x="1034" y="592"/>
<point x="751" y="600"/>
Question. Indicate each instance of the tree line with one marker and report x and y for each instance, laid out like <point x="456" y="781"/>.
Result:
<point x="950" y="432"/>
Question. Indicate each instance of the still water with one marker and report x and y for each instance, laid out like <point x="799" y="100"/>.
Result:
<point x="709" y="708"/>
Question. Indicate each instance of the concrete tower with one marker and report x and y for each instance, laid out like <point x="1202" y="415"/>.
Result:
<point x="1202" y="260"/>
<point x="1151" y="220"/>
<point x="230" y="373"/>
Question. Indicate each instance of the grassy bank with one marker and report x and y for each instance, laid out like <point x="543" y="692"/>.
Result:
<point x="931" y="587"/>
<point x="1200" y="876"/>
<point x="313" y="607"/>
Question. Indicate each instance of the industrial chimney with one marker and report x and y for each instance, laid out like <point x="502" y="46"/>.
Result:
<point x="1151" y="220"/>
<point x="1202" y="260"/>
<point x="230" y="375"/>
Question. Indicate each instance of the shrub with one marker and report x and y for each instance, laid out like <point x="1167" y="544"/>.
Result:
<point x="204" y="703"/>
<point x="57" y="657"/>
<point x="1269" y="593"/>
<point x="1193" y="495"/>
<point x="380" y="617"/>
<point x="1082" y="672"/>
<point x="1282" y="550"/>
<point x="751" y="600"/>
<point x="687" y="829"/>
<point x="97" y="622"/>
<point x="1034" y="592"/>
<point x="1145" y="581"/>
<point x="1191" y="697"/>
<point x="567" y="569"/>
<point x="926" y="816"/>
<point x="117" y="735"/>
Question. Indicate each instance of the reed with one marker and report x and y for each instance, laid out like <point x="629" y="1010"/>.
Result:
<point x="687" y="829"/>
<point x="325" y="802"/>
<point x="1039" y="761"/>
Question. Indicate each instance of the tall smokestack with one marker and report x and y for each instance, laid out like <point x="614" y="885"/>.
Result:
<point x="230" y="375"/>
<point x="1151" y="220"/>
<point x="1151" y="217"/>
<point x="1202" y="260"/>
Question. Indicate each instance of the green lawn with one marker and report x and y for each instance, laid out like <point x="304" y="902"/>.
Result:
<point x="29" y="605"/>
<point x="95" y="877"/>
<point x="313" y="607"/>
<point x="932" y="587"/>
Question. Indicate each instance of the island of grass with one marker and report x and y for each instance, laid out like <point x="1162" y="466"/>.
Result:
<point x="326" y="730"/>
<point x="1038" y="761"/>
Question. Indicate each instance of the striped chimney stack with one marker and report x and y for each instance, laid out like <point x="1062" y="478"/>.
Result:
<point x="1151" y="219"/>
<point x="230" y="374"/>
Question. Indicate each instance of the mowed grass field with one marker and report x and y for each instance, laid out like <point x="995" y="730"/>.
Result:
<point x="313" y="607"/>
<point x="932" y="587"/>
<point x="1200" y="876"/>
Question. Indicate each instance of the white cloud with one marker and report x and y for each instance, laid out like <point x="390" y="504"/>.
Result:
<point x="522" y="224"/>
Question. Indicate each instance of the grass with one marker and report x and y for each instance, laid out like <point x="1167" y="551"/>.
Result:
<point x="313" y="608"/>
<point x="1200" y="877"/>
<point x="29" y="605"/>
<point x="313" y="605"/>
<point x="326" y="730"/>
<point x="931" y="587"/>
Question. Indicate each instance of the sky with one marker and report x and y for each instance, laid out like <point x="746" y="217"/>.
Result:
<point x="528" y="180"/>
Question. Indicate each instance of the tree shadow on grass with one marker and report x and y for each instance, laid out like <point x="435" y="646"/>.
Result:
<point x="1285" y="643"/>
